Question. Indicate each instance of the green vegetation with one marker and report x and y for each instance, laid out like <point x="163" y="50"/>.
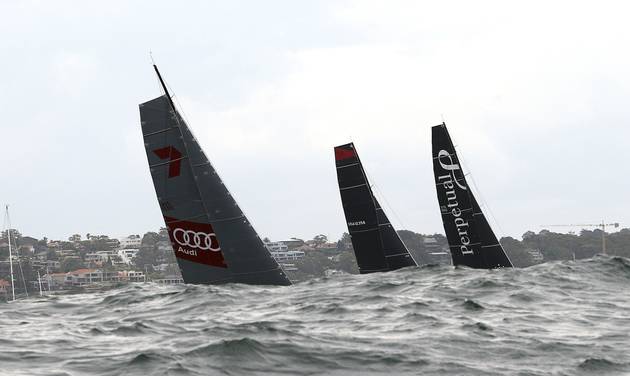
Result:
<point x="156" y="257"/>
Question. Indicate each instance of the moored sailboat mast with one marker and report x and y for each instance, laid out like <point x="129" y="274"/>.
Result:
<point x="10" y="252"/>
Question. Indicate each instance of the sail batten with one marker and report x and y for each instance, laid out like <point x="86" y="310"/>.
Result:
<point x="376" y="244"/>
<point x="212" y="239"/>
<point x="471" y="239"/>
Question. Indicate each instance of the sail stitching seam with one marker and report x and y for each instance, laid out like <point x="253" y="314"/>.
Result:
<point x="354" y="186"/>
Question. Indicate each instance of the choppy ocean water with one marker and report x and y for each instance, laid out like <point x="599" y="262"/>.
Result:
<point x="560" y="318"/>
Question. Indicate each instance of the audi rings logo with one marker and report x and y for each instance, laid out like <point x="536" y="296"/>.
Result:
<point x="199" y="240"/>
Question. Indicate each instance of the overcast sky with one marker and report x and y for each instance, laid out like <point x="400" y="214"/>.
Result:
<point x="535" y="95"/>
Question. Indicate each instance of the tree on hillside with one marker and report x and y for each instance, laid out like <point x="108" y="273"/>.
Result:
<point x="348" y="262"/>
<point x="15" y="236"/>
<point x="517" y="252"/>
<point x="345" y="243"/>
<point x="415" y="245"/>
<point x="320" y="240"/>
<point x="314" y="263"/>
<point x="70" y="263"/>
<point x="149" y="240"/>
<point x="145" y="256"/>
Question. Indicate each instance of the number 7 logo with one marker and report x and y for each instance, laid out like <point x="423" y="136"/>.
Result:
<point x="175" y="158"/>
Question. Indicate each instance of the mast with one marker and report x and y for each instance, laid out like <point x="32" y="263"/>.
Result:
<point x="39" y="279"/>
<point x="168" y="95"/>
<point x="10" y="253"/>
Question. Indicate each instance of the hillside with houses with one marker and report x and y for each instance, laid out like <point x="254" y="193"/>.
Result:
<point x="96" y="261"/>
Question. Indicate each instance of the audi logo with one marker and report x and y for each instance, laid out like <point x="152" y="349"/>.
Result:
<point x="199" y="240"/>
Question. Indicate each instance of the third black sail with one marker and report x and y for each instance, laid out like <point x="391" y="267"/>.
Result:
<point x="471" y="240"/>
<point x="212" y="239"/>
<point x="377" y="246"/>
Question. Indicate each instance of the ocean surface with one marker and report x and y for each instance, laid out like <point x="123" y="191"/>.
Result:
<point x="558" y="318"/>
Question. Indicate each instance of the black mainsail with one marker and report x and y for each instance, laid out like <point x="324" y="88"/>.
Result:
<point x="471" y="240"/>
<point x="377" y="246"/>
<point x="212" y="239"/>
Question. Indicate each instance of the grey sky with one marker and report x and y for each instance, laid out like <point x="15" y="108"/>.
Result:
<point x="534" y="95"/>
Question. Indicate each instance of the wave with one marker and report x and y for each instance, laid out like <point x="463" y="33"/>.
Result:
<point x="563" y="317"/>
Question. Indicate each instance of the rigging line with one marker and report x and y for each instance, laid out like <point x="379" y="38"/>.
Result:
<point x="4" y="222"/>
<point x="5" y="225"/>
<point x="381" y="195"/>
<point x="17" y="253"/>
<point x="482" y="202"/>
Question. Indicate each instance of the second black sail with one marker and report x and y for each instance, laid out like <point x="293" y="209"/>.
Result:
<point x="377" y="246"/>
<point x="471" y="240"/>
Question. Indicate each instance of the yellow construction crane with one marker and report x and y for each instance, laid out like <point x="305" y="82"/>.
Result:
<point x="600" y="225"/>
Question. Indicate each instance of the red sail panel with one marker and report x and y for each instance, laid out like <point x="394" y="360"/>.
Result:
<point x="195" y="242"/>
<point x="342" y="153"/>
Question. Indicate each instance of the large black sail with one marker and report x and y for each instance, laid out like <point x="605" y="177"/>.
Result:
<point x="472" y="242"/>
<point x="212" y="239"/>
<point x="376" y="244"/>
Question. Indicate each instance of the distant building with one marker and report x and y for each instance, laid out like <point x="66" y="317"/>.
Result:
<point x="95" y="258"/>
<point x="42" y="255"/>
<point x="293" y="243"/>
<point x="131" y="241"/>
<point x="54" y="281"/>
<point x="437" y="254"/>
<point x="164" y="246"/>
<point x="287" y="256"/>
<point x="38" y="264"/>
<point x="26" y="249"/>
<point x="83" y="277"/>
<point x="27" y="240"/>
<point x="276" y="246"/>
<point x="166" y="268"/>
<point x="54" y="244"/>
<point x="131" y="276"/>
<point x="86" y="276"/>
<point x="53" y="265"/>
<point x="169" y="280"/>
<point x="127" y="255"/>
<point x="281" y="253"/>
<point x="535" y="254"/>
<point x="288" y="267"/>
<point x="66" y="252"/>
<point x="5" y="286"/>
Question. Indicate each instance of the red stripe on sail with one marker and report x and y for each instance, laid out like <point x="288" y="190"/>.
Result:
<point x="342" y="153"/>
